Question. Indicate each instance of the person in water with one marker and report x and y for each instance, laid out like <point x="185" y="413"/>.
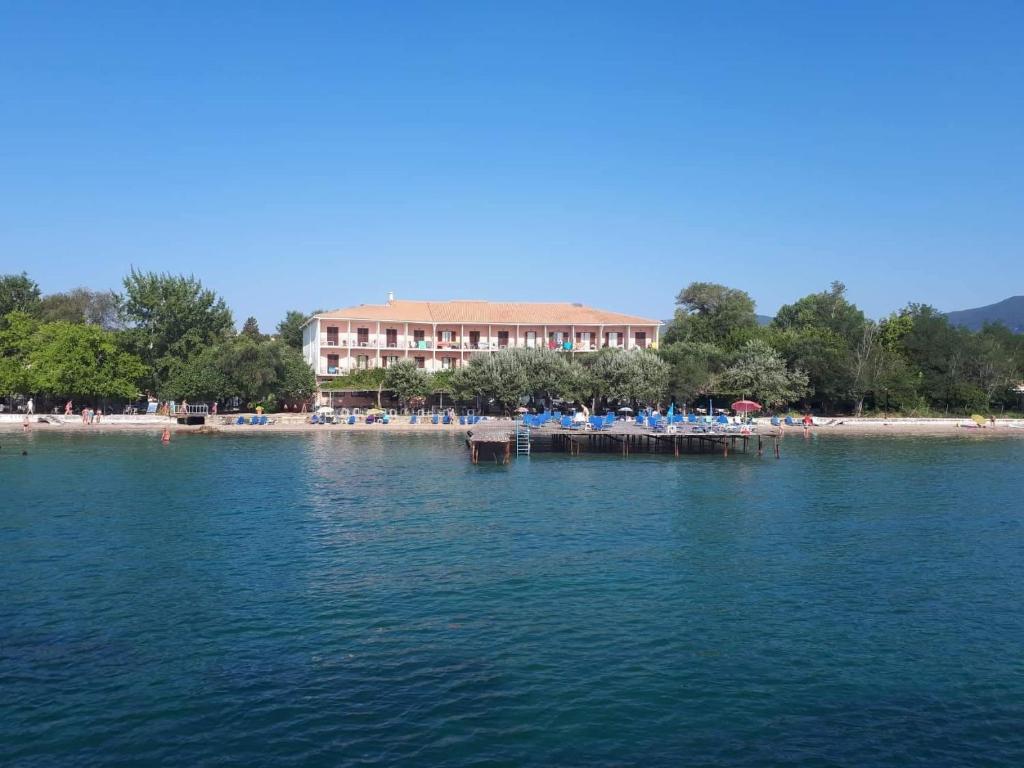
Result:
<point x="166" y="436"/>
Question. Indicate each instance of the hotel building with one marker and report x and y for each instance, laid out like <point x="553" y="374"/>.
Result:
<point x="438" y="335"/>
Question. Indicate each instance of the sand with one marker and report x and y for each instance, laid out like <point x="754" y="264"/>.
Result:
<point x="293" y="424"/>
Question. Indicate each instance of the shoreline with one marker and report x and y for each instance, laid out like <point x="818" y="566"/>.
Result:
<point x="872" y="427"/>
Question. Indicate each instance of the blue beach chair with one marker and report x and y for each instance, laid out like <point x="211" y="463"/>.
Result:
<point x="434" y="419"/>
<point x="352" y="419"/>
<point x="412" y="419"/>
<point x="240" y="420"/>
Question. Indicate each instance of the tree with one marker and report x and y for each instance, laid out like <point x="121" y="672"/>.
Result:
<point x="255" y="370"/>
<point x="406" y="380"/>
<point x="289" y="330"/>
<point x="18" y="293"/>
<point x="500" y="376"/>
<point x="81" y="305"/>
<point x="628" y="375"/>
<point x="16" y="332"/>
<point x="824" y="335"/>
<point x="71" y="359"/>
<point x="760" y="372"/>
<point x="251" y="329"/>
<point x="712" y="313"/>
<point x="171" y="319"/>
<point x="694" y="367"/>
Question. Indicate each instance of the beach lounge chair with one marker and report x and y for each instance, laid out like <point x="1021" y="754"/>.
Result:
<point x="790" y="422"/>
<point x="412" y="419"/>
<point x="433" y="419"/>
<point x="775" y="421"/>
<point x="314" y="419"/>
<point x="151" y="408"/>
<point x="691" y="419"/>
<point x="462" y="420"/>
<point x="352" y="419"/>
<point x="240" y="420"/>
<point x="447" y="419"/>
<point x="723" y="419"/>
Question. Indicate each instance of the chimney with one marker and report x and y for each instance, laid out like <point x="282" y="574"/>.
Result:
<point x="391" y="297"/>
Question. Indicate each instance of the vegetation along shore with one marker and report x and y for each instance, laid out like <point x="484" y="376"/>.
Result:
<point x="170" y="338"/>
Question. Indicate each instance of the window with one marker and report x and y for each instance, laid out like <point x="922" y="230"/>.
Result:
<point x="641" y="339"/>
<point x="531" y="338"/>
<point x="421" y="362"/>
<point x="447" y="362"/>
<point x="332" y="363"/>
<point x="332" y="336"/>
<point x="474" y="339"/>
<point x="390" y="360"/>
<point x="362" y="362"/>
<point x="613" y="338"/>
<point x="391" y="335"/>
<point x="417" y="335"/>
<point x="447" y="335"/>
<point x="363" y="337"/>
<point x="502" y="339"/>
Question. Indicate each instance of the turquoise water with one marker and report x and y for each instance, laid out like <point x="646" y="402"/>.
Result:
<point x="336" y="599"/>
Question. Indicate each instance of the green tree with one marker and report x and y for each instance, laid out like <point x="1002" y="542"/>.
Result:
<point x="255" y="370"/>
<point x="70" y="359"/>
<point x="712" y="313"/>
<point x="499" y="376"/>
<point x="635" y="375"/>
<point x="81" y="305"/>
<point x="171" y="319"/>
<point x="18" y="293"/>
<point x="16" y="340"/>
<point x="406" y="380"/>
<point x="760" y="372"/>
<point x="251" y="328"/>
<point x="694" y="367"/>
<point x="289" y="330"/>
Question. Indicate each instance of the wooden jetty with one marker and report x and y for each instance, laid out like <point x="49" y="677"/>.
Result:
<point x="497" y="442"/>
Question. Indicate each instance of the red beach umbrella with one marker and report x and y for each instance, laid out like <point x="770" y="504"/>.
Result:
<point x="746" y="406"/>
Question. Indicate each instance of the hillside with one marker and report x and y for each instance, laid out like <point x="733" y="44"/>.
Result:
<point x="1009" y="312"/>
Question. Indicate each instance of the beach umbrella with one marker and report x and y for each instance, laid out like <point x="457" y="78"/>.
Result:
<point x="374" y="411"/>
<point x="746" y="406"/>
<point x="978" y="419"/>
<point x="522" y="409"/>
<point x="625" y="409"/>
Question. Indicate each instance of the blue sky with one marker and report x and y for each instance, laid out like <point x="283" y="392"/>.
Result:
<point x="321" y="154"/>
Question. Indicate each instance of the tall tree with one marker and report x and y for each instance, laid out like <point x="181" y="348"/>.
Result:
<point x="712" y="313"/>
<point x="16" y="342"/>
<point x="251" y="328"/>
<point x="81" y="305"/>
<point x="18" y="293"/>
<point x="289" y="330"/>
<point x="171" y="318"/>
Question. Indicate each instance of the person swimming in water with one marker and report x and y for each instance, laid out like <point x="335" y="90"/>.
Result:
<point x="166" y="436"/>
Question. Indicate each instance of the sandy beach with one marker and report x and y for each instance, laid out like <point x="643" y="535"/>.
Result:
<point x="893" y="427"/>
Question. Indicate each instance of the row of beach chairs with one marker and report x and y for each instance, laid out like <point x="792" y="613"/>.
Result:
<point x="255" y="421"/>
<point x="387" y="419"/>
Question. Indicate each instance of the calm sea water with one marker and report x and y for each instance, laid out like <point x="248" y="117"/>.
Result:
<point x="336" y="599"/>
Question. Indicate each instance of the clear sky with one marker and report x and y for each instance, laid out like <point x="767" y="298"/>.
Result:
<point x="303" y="155"/>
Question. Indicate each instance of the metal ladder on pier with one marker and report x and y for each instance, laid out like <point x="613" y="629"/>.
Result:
<point x="522" y="439"/>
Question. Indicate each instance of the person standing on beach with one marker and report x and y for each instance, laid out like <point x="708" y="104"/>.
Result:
<point x="30" y="406"/>
<point x="98" y="415"/>
<point x="67" y="408"/>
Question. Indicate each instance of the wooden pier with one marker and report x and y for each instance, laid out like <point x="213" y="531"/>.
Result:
<point x="499" y="441"/>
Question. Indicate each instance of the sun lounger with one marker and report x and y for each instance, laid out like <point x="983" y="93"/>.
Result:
<point x="352" y="419"/>
<point x="412" y="419"/>
<point x="775" y="421"/>
<point x="240" y="420"/>
<point x="434" y="419"/>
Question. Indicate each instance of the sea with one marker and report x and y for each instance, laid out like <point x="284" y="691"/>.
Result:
<point x="374" y="599"/>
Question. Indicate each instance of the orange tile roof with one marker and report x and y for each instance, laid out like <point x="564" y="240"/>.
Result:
<point x="483" y="312"/>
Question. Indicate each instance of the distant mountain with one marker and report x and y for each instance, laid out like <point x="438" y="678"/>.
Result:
<point x="1009" y="312"/>
<point x="764" y="319"/>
